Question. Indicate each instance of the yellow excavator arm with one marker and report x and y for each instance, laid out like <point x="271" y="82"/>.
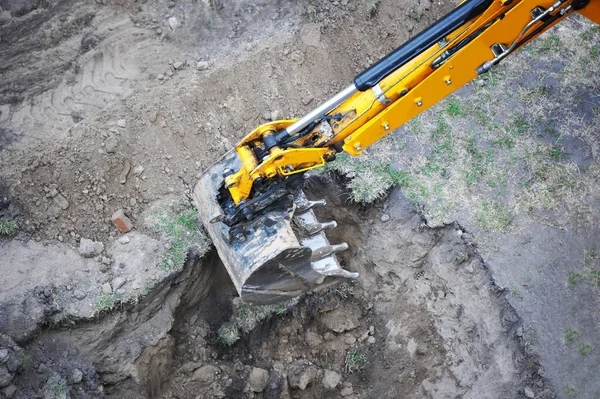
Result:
<point x="251" y="201"/>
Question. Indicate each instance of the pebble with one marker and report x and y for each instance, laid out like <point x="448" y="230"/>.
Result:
<point x="331" y="379"/>
<point x="118" y="282"/>
<point x="529" y="392"/>
<point x="76" y="376"/>
<point x="136" y="285"/>
<point x="89" y="248"/>
<point x="124" y="239"/>
<point x="138" y="170"/>
<point x="275" y="115"/>
<point x="111" y="144"/>
<point x="173" y="23"/>
<point x="3" y="356"/>
<point x="61" y="202"/>
<point x="385" y="218"/>
<point x="202" y="65"/>
<point x="371" y="340"/>
<point x="161" y="77"/>
<point x="124" y="172"/>
<point x="79" y="294"/>
<point x="178" y="65"/>
<point x="106" y="260"/>
<point x="106" y="288"/>
<point x="347" y="391"/>
<point x="121" y="123"/>
<point x="307" y="100"/>
<point x="42" y="368"/>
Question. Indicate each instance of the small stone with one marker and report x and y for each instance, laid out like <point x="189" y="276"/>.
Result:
<point x="89" y="248"/>
<point x="371" y="340"/>
<point x="529" y="392"/>
<point x="121" y="222"/>
<point x="61" y="202"/>
<point x="136" y="285"/>
<point x="301" y="374"/>
<point x="275" y="115"/>
<point x="205" y="375"/>
<point x="10" y="391"/>
<point x="257" y="379"/>
<point x="124" y="172"/>
<point x="118" y="282"/>
<point x="42" y="368"/>
<point x="347" y="391"/>
<point x="3" y="356"/>
<point x="111" y="144"/>
<point x="5" y="16"/>
<point x="385" y="218"/>
<point x="307" y="100"/>
<point x="138" y="170"/>
<point x="106" y="260"/>
<point x="124" y="240"/>
<point x="76" y="376"/>
<point x="178" y="65"/>
<point x="173" y="23"/>
<point x="202" y="65"/>
<point x="161" y="77"/>
<point x="122" y="123"/>
<point x="331" y="379"/>
<point x="79" y="294"/>
<point x="106" y="288"/>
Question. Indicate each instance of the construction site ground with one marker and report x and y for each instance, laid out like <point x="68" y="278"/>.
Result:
<point x="474" y="227"/>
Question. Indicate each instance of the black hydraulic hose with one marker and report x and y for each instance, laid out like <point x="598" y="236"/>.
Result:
<point x="430" y="36"/>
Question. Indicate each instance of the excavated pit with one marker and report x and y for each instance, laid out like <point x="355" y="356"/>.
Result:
<point x="424" y="319"/>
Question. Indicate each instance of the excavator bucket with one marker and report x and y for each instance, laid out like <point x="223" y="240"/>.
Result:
<point x="286" y="252"/>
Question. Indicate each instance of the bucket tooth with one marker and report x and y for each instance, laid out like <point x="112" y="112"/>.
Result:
<point x="314" y="228"/>
<point x="304" y="205"/>
<point x="329" y="250"/>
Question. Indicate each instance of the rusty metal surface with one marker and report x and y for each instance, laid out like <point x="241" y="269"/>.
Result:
<point x="274" y="263"/>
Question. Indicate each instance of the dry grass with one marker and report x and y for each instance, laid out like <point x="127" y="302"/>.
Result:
<point x="492" y="153"/>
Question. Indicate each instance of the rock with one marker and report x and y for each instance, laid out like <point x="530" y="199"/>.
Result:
<point x="105" y="260"/>
<point x="331" y="379"/>
<point x="61" y="202"/>
<point x="76" y="376"/>
<point x="122" y="123"/>
<point x="42" y="368"/>
<point x="529" y="392"/>
<point x="10" y="391"/>
<point x="205" y="375"/>
<point x="202" y="65"/>
<point x="106" y="288"/>
<point x="124" y="172"/>
<point x="347" y="391"/>
<point x="307" y="100"/>
<point x="277" y="386"/>
<point x="124" y="240"/>
<point x="301" y="374"/>
<point x="385" y="218"/>
<point x="79" y="294"/>
<point x="138" y="170"/>
<point x="173" y="23"/>
<point x="371" y="340"/>
<point x="121" y="222"/>
<point x="313" y="339"/>
<point x="5" y="17"/>
<point x="111" y="144"/>
<point x="339" y="321"/>
<point x="275" y="115"/>
<point x="5" y="377"/>
<point x="257" y="379"/>
<point x="118" y="282"/>
<point x="89" y="248"/>
<point x="135" y="285"/>
<point x="3" y="356"/>
<point x="177" y="65"/>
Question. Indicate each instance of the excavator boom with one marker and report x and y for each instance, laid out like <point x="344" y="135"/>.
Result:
<point x="251" y="201"/>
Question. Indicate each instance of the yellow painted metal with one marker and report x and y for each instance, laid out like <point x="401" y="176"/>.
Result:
<point x="592" y="11"/>
<point x="411" y="89"/>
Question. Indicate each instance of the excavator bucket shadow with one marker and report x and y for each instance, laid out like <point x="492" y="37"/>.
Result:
<point x="286" y="252"/>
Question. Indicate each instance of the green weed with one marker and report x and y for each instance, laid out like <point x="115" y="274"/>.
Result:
<point x="228" y="335"/>
<point x="107" y="302"/>
<point x="68" y="320"/>
<point x="571" y="335"/>
<point x="570" y="392"/>
<point x="574" y="277"/>
<point x="8" y="227"/>
<point x="373" y="8"/>
<point x="454" y="108"/>
<point x="493" y="217"/>
<point x="355" y="361"/>
<point x="584" y="349"/>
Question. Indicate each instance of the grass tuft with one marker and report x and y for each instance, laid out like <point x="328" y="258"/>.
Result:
<point x="8" y="227"/>
<point x="180" y="225"/>
<point x="355" y="361"/>
<point x="228" y="335"/>
<point x="493" y="217"/>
